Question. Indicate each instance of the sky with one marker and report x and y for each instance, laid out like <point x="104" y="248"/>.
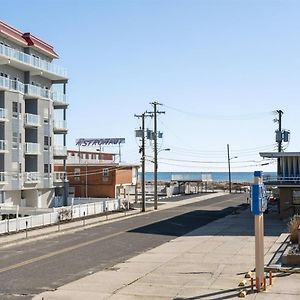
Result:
<point x="220" y="69"/>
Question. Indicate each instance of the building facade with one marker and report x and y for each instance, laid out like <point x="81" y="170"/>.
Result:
<point x="97" y="175"/>
<point x="287" y="181"/>
<point x="32" y="119"/>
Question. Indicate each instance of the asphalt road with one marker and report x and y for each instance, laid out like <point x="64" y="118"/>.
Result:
<point x="47" y="264"/>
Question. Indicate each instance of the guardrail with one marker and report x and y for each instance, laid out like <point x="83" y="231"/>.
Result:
<point x="58" y="214"/>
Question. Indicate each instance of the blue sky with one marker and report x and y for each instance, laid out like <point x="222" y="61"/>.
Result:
<point x="220" y="68"/>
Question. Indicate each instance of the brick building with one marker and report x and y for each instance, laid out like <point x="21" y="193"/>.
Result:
<point x="98" y="175"/>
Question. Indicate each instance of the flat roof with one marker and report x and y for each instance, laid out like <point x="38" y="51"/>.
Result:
<point x="279" y="154"/>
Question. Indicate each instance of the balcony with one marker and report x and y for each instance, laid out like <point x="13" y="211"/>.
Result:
<point x="32" y="148"/>
<point x="59" y="177"/>
<point x="31" y="177"/>
<point x="26" y="62"/>
<point x="59" y="151"/>
<point x="32" y="120"/>
<point x="60" y="126"/>
<point x="36" y="91"/>
<point x="59" y="99"/>
<point x="2" y="146"/>
<point x="11" y="85"/>
<point x="3" y="114"/>
<point x="2" y="177"/>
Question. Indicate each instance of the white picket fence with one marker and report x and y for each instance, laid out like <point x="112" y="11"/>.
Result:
<point x="74" y="211"/>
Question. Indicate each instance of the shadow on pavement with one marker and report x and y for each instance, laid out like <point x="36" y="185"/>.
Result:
<point x="187" y="222"/>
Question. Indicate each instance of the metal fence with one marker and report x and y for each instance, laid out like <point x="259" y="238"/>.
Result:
<point x="60" y="213"/>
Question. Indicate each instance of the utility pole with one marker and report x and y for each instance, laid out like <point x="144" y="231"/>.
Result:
<point x="280" y="113"/>
<point x="229" y="172"/>
<point x="154" y="114"/>
<point x="142" y="150"/>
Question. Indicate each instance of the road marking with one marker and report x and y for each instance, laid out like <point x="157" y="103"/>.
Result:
<point x="45" y="256"/>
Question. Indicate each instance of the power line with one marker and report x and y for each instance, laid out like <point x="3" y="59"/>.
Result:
<point x="224" y="117"/>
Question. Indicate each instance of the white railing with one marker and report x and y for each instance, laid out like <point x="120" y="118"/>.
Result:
<point x="59" y="176"/>
<point x="31" y="177"/>
<point x="281" y="179"/>
<point x="2" y="145"/>
<point x="2" y="176"/>
<point x="59" y="151"/>
<point x="32" y="148"/>
<point x="62" y="213"/>
<point x="60" y="125"/>
<point x="32" y="61"/>
<point x="3" y="113"/>
<point x="59" y="98"/>
<point x="11" y="84"/>
<point x="32" y="120"/>
<point x="36" y="91"/>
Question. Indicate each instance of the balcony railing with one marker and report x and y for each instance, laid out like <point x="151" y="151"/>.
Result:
<point x="36" y="91"/>
<point x="32" y="120"/>
<point x="32" y="61"/>
<point x="281" y="179"/>
<point x="10" y="84"/>
<point x="58" y="98"/>
<point x="32" y="148"/>
<point x="59" y="151"/>
<point x="31" y="177"/>
<point x="2" y="177"/>
<point x="59" y="176"/>
<point x="3" y="113"/>
<point x="60" y="125"/>
<point x="2" y="145"/>
<point x="33" y="90"/>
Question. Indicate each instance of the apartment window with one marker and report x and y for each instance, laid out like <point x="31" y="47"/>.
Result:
<point x="77" y="174"/>
<point x="296" y="198"/>
<point x="15" y="137"/>
<point x="2" y="197"/>
<point x="15" y="109"/>
<point x="47" y="142"/>
<point x="46" y="115"/>
<point x="46" y="168"/>
<point x="105" y="172"/>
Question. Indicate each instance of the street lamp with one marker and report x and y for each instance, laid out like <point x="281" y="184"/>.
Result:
<point x="155" y="174"/>
<point x="229" y="172"/>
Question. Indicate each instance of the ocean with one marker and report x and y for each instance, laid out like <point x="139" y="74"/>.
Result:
<point x="215" y="176"/>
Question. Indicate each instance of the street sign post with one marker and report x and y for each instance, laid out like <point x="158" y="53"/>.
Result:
<point x="258" y="207"/>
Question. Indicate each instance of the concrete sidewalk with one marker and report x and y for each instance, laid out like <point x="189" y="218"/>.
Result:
<point x="207" y="263"/>
<point x="80" y="224"/>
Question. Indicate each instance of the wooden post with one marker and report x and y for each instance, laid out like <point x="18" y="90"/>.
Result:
<point x="259" y="245"/>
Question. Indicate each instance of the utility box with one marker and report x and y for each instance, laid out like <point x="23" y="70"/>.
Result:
<point x="259" y="199"/>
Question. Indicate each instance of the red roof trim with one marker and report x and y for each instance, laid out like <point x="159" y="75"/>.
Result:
<point x="39" y="44"/>
<point x="12" y="33"/>
<point x="27" y="39"/>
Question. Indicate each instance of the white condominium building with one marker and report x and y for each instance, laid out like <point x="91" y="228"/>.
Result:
<point x="32" y="120"/>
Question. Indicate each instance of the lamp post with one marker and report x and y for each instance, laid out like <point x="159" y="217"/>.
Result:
<point x="155" y="175"/>
<point x="229" y="172"/>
